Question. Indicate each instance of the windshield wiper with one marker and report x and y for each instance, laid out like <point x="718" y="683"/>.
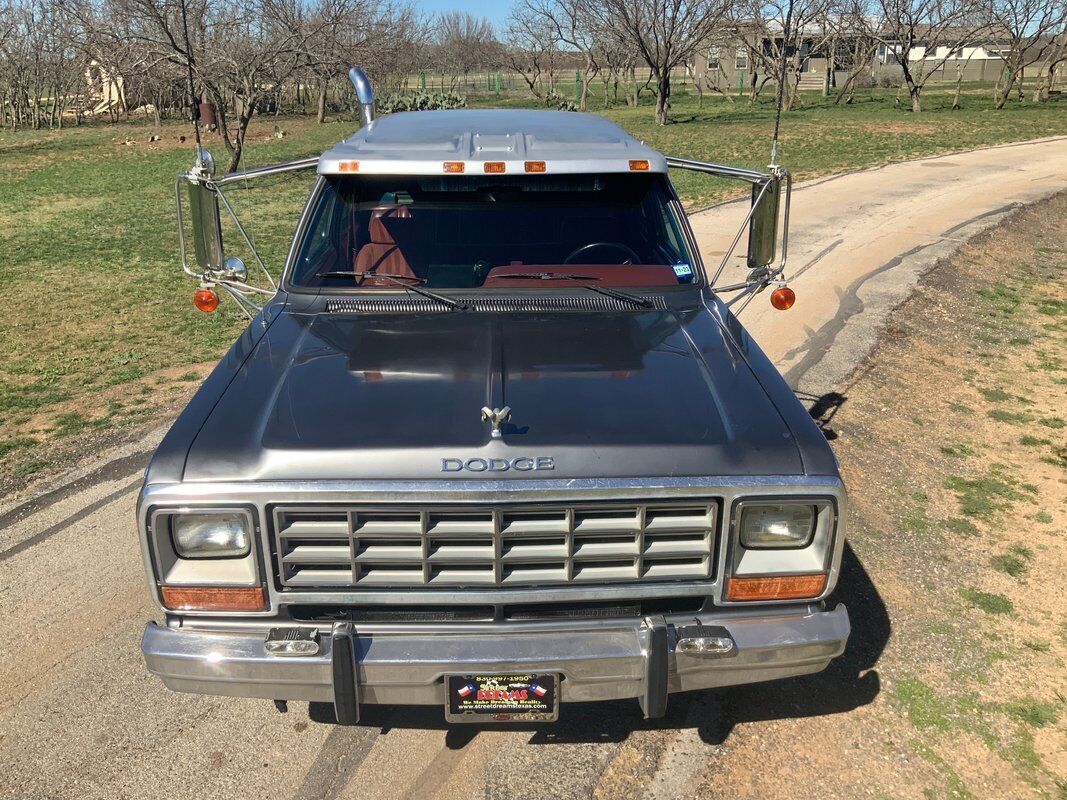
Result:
<point x="440" y="298"/>
<point x="563" y="276"/>
<point x="548" y="276"/>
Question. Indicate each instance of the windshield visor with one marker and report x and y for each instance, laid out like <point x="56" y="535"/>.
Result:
<point x="493" y="232"/>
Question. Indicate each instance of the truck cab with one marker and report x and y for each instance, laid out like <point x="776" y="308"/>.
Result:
<point x="494" y="442"/>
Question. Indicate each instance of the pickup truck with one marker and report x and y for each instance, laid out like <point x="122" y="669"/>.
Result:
<point x="495" y="441"/>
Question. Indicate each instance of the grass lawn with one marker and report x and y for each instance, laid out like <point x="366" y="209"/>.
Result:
<point x="101" y="329"/>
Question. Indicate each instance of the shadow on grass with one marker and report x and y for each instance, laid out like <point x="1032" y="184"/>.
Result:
<point x="848" y="683"/>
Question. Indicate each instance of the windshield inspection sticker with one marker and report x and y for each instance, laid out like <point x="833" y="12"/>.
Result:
<point x="683" y="270"/>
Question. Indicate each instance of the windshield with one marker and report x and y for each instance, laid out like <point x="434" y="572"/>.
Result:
<point x="494" y="231"/>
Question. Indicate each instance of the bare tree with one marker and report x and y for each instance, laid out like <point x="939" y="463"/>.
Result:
<point x="617" y="60"/>
<point x="347" y="32"/>
<point x="1027" y="31"/>
<point x="926" y="33"/>
<point x="857" y="26"/>
<point x="575" y="25"/>
<point x="665" y="33"/>
<point x="239" y="51"/>
<point x="778" y="34"/>
<point x="465" y="43"/>
<point x="1056" y="56"/>
<point x="531" y="47"/>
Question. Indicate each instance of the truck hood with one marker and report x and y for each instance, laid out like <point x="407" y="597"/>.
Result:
<point x="400" y="396"/>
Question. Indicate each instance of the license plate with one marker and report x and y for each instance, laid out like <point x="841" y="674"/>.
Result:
<point x="502" y="698"/>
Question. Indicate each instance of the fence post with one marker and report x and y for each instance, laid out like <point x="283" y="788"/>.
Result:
<point x="577" y="86"/>
<point x="422" y="80"/>
<point x="740" y="83"/>
<point x="498" y="83"/>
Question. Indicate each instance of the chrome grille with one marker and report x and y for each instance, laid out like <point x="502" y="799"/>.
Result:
<point x="379" y="547"/>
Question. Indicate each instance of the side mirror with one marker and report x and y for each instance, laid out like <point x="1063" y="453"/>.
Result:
<point x="236" y="270"/>
<point x="763" y="226"/>
<point x="204" y="213"/>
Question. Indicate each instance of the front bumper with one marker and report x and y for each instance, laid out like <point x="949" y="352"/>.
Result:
<point x="598" y="659"/>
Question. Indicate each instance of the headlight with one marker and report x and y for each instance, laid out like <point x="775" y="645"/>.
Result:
<point x="770" y="525"/>
<point x="212" y="535"/>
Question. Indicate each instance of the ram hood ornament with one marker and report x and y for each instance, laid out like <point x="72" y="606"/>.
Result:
<point x="496" y="417"/>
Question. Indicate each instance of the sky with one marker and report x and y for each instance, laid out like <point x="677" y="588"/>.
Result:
<point x="495" y="10"/>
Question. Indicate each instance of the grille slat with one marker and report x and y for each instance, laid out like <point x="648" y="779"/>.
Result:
<point x="503" y="546"/>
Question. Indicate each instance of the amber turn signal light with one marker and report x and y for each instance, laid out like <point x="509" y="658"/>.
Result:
<point x="783" y="298"/>
<point x="535" y="166"/>
<point x="214" y="598"/>
<point x="639" y="166"/>
<point x="348" y="166"/>
<point x="494" y="167"/>
<point x="454" y="167"/>
<point x="206" y="300"/>
<point x="779" y="587"/>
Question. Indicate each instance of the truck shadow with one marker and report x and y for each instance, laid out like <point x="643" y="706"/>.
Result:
<point x="848" y="683"/>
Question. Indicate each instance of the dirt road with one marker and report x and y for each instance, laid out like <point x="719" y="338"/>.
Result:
<point x="79" y="716"/>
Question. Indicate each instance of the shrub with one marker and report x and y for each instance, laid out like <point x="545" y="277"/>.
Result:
<point x="559" y="102"/>
<point x="420" y="101"/>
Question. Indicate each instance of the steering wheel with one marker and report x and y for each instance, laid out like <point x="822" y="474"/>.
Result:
<point x="634" y="258"/>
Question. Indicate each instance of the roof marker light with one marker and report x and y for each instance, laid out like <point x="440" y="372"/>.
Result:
<point x="536" y="166"/>
<point x="348" y="166"/>
<point x="455" y="167"/>
<point x="639" y="166"/>
<point x="494" y="167"/>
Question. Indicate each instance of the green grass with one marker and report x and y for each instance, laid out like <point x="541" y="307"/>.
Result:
<point x="1032" y="441"/>
<point x="995" y="395"/>
<point x="981" y="497"/>
<point x="924" y="707"/>
<point x="1010" y="417"/>
<point x="1033" y="712"/>
<point x="88" y="250"/>
<point x="964" y="527"/>
<point x="987" y="601"/>
<point x="1009" y="564"/>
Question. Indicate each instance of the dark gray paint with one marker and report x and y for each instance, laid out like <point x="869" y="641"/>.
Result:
<point x="681" y="392"/>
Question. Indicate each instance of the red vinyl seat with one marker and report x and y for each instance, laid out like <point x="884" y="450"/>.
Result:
<point x="381" y="253"/>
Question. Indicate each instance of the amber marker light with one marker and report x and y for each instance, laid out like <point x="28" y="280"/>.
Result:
<point x="455" y="167"/>
<point x="494" y="167"/>
<point x="536" y="166"/>
<point x="639" y="166"/>
<point x="780" y="587"/>
<point x="783" y="298"/>
<point x="214" y="598"/>
<point x="348" y="166"/>
<point x="206" y="300"/>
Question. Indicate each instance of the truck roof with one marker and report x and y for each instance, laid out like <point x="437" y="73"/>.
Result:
<point x="511" y="141"/>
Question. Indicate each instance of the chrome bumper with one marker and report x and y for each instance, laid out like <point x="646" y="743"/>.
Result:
<point x="598" y="660"/>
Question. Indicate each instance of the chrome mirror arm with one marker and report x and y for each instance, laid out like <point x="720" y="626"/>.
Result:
<point x="761" y="277"/>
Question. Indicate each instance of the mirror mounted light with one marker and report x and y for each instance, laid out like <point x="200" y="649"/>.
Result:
<point x="364" y="93"/>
